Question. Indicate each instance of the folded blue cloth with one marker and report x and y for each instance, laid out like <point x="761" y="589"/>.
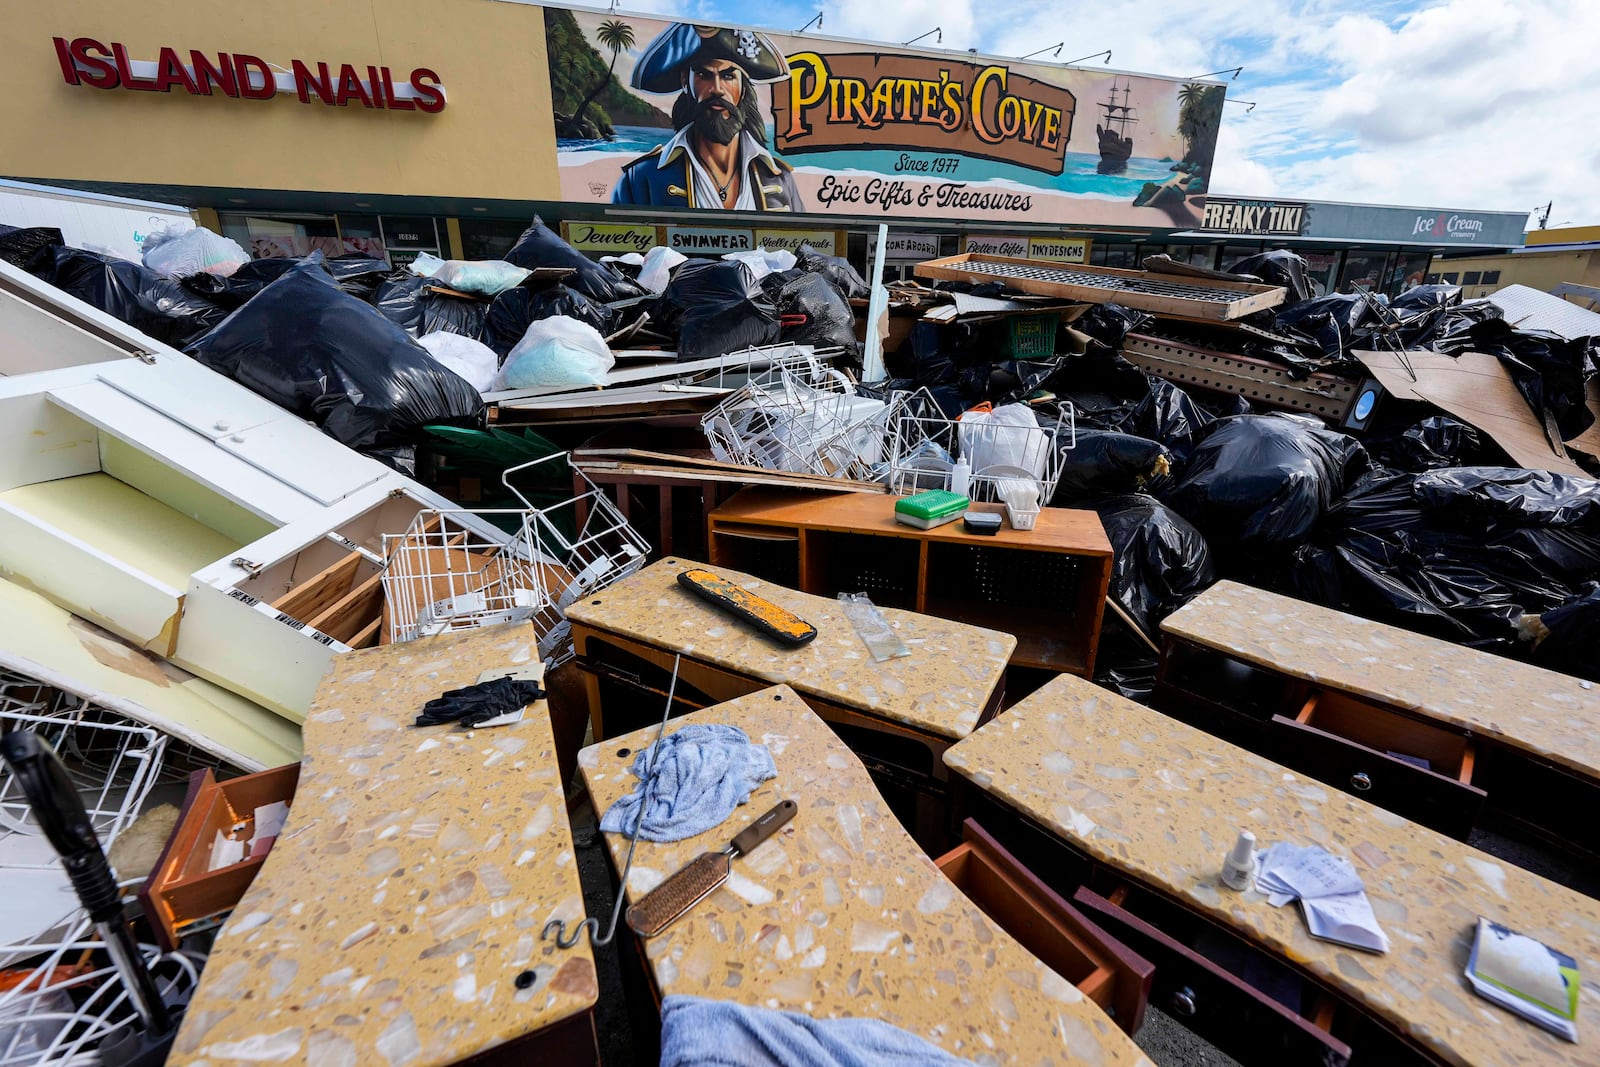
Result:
<point x="696" y="1032"/>
<point x="702" y="773"/>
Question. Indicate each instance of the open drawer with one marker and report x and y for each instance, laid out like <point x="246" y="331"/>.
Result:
<point x="1103" y="968"/>
<point x="1221" y="1007"/>
<point x="1408" y="766"/>
<point x="181" y="889"/>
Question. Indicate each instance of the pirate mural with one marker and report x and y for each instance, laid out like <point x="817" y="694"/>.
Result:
<point x="719" y="155"/>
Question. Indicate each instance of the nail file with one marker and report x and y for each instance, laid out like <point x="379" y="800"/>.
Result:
<point x="778" y="623"/>
<point x="696" y="880"/>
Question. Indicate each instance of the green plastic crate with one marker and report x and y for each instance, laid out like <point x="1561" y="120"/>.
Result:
<point x="1033" y="336"/>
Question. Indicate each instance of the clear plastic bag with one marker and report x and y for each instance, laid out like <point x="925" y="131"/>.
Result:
<point x="196" y="251"/>
<point x="873" y="629"/>
<point x="1006" y="441"/>
<point x="486" y="277"/>
<point x="557" y="351"/>
<point x="473" y="360"/>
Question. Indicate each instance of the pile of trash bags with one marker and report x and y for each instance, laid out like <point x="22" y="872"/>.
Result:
<point x="372" y="354"/>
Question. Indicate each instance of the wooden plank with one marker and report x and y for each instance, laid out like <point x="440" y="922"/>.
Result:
<point x="1227" y="300"/>
<point x="735" y="476"/>
<point x="352" y="612"/>
<point x="367" y="636"/>
<point x="582" y="457"/>
<point x="321" y="589"/>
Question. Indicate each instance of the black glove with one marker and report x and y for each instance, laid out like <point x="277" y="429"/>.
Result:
<point x="473" y="704"/>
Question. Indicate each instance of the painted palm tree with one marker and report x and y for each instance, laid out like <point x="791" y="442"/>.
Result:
<point x="1199" y="115"/>
<point x="615" y="35"/>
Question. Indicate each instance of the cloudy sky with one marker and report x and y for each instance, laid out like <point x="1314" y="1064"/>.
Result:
<point x="1481" y="104"/>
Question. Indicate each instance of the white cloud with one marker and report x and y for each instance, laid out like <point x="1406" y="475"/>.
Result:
<point x="893" y="21"/>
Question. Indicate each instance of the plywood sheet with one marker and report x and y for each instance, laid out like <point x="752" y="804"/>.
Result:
<point x="1476" y="389"/>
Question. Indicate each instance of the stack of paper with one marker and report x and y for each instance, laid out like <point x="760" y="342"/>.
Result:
<point x="1527" y="977"/>
<point x="1330" y="892"/>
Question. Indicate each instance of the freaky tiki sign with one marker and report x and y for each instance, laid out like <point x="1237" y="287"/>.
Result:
<point x="685" y="116"/>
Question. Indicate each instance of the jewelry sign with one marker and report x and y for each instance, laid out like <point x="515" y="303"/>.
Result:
<point x="686" y="116"/>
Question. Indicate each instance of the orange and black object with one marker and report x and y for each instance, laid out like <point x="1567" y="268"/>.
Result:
<point x="778" y="623"/>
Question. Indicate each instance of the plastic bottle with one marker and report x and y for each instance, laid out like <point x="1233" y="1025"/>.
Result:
<point x="961" y="476"/>
<point x="1239" y="867"/>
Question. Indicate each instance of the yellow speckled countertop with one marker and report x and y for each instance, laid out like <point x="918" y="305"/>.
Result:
<point x="410" y="885"/>
<point x="941" y="688"/>
<point x="840" y="914"/>
<point x="1550" y="715"/>
<point x="1162" y="802"/>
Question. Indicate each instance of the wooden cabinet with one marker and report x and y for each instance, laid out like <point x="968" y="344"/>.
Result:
<point x="1046" y="586"/>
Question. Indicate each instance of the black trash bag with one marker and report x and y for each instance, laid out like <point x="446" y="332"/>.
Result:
<point x="1330" y="322"/>
<point x="326" y="356"/>
<point x="1417" y="551"/>
<point x="1548" y="369"/>
<point x="1426" y="297"/>
<point x="398" y="298"/>
<point x="1280" y="267"/>
<point x="540" y="246"/>
<point x="840" y="274"/>
<point x="715" y="307"/>
<point x="18" y="246"/>
<point x="1169" y="415"/>
<point x="1480" y="497"/>
<point x="1566" y="637"/>
<point x="358" y="275"/>
<point x="1160" y="561"/>
<point x="125" y="290"/>
<point x="826" y="319"/>
<point x="1258" y="482"/>
<point x="1435" y="442"/>
<point x="1110" y="324"/>
<point x="512" y="312"/>
<point x="1109" y="462"/>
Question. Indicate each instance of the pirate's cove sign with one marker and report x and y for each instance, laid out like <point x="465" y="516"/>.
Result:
<point x="837" y="101"/>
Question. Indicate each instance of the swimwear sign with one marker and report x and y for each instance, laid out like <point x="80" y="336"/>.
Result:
<point x="696" y="240"/>
<point x="86" y="61"/>
<point x="840" y="101"/>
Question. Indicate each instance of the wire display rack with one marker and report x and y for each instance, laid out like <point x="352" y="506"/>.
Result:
<point x="924" y="447"/>
<point x="60" y="997"/>
<point x="457" y="569"/>
<point x="802" y="418"/>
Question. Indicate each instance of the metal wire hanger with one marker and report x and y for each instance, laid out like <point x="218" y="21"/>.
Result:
<point x="591" y="924"/>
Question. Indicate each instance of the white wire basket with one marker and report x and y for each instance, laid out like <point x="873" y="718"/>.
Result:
<point x="457" y="569"/>
<point x="803" y="419"/>
<point x="924" y="447"/>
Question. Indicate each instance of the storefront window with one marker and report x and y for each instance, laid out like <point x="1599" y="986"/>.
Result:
<point x="1232" y="254"/>
<point x="1322" y="268"/>
<point x="267" y="236"/>
<point x="489" y="238"/>
<point x="1114" y="255"/>
<point x="359" y="226"/>
<point x="1365" y="270"/>
<point x="1410" y="268"/>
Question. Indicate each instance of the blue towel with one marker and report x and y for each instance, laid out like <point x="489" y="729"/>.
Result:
<point x="696" y="1032"/>
<point x="702" y="773"/>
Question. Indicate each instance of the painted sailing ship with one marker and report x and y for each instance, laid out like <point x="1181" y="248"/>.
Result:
<point x="1115" y="144"/>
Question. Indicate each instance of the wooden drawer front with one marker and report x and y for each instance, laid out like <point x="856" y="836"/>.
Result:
<point x="1223" y="1009"/>
<point x="1104" y="969"/>
<point x="1547" y="802"/>
<point x="1323" y="747"/>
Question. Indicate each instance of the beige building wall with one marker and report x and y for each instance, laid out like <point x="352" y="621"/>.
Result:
<point x="1537" y="270"/>
<point x="494" y="138"/>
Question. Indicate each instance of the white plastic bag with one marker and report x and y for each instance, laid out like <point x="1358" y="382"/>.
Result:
<point x="657" y="269"/>
<point x="196" y="251"/>
<point x="487" y="277"/>
<point x="762" y="262"/>
<point x="1008" y="437"/>
<point x="556" y="351"/>
<point x="473" y="360"/>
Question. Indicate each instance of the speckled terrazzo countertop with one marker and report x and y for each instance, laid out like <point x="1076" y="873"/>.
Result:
<point x="840" y="914"/>
<point x="1550" y="715"/>
<point x="1161" y="801"/>
<point x="942" y="687"/>
<point x="410" y="885"/>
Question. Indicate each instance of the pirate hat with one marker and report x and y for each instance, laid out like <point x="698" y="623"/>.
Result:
<point x="679" y="46"/>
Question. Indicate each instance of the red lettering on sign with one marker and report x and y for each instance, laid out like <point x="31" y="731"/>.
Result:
<point x="97" y="70"/>
<point x="255" y="77"/>
<point x="170" y="72"/>
<point x="69" y="69"/>
<point x="430" y="98"/>
<point x="125" y="69"/>
<point x="305" y="83"/>
<point x="396" y="103"/>
<point x="207" y="74"/>
<point x="350" y="87"/>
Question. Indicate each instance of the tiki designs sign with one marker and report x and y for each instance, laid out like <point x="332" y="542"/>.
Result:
<point x="685" y="116"/>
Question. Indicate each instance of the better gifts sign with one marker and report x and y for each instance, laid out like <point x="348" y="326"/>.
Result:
<point x="654" y="114"/>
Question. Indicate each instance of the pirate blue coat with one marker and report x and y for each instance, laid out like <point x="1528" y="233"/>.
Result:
<point x="650" y="179"/>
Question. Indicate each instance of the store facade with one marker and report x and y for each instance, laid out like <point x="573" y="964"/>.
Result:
<point x="443" y="126"/>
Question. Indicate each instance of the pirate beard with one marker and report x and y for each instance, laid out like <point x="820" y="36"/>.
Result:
<point x="719" y="127"/>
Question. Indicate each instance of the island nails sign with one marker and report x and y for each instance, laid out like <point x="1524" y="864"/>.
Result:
<point x="85" y="61"/>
